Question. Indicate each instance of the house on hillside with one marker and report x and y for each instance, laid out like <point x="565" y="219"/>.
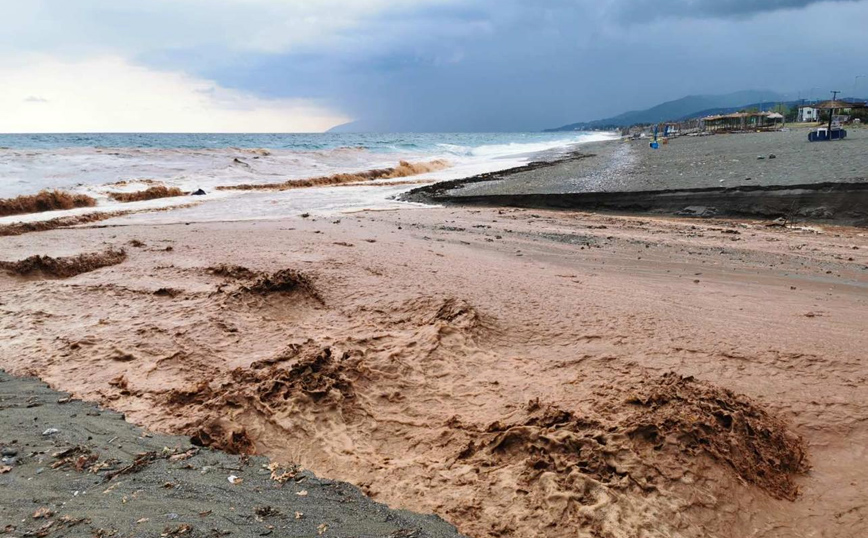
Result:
<point x="808" y="113"/>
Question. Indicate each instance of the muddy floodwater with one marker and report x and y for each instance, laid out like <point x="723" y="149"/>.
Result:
<point x="515" y="372"/>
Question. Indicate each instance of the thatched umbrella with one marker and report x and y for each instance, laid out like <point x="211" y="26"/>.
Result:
<point x="833" y="105"/>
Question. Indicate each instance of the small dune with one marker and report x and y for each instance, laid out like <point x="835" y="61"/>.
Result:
<point x="150" y="193"/>
<point x="46" y="200"/>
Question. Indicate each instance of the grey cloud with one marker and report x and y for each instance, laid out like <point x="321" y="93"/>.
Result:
<point x="645" y="10"/>
<point x="35" y="99"/>
<point x="496" y="65"/>
<point x="555" y="62"/>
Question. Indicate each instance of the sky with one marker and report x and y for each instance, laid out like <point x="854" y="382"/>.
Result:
<point x="406" y="65"/>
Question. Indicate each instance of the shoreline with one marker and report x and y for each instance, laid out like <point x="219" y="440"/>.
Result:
<point x="432" y="194"/>
<point x="612" y="180"/>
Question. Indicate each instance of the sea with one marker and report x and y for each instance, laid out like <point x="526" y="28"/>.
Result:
<point x="95" y="164"/>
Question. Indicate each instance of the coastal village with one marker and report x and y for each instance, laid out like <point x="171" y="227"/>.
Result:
<point x="834" y="114"/>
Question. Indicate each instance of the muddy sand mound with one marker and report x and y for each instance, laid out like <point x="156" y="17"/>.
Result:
<point x="696" y="417"/>
<point x="283" y="281"/>
<point x="629" y="461"/>
<point x="669" y="417"/>
<point x="317" y="381"/>
<point x="231" y="271"/>
<point x="64" y="267"/>
<point x="263" y="283"/>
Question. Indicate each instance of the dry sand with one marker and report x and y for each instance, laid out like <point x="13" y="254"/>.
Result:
<point x="518" y="373"/>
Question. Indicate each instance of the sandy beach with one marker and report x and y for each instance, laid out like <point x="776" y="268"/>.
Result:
<point x="515" y="372"/>
<point x="723" y="160"/>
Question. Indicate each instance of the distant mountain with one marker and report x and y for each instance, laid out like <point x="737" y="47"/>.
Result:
<point x="369" y="126"/>
<point x="686" y="107"/>
<point x="349" y="127"/>
<point x="764" y="105"/>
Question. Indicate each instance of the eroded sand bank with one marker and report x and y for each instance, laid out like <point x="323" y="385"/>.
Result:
<point x="77" y="470"/>
<point x="523" y="373"/>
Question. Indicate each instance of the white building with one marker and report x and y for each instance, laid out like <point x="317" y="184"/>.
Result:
<point x="809" y="113"/>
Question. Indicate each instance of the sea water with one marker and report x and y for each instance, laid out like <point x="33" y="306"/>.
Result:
<point x="96" y="164"/>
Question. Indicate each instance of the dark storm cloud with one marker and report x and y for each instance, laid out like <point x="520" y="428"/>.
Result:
<point x="471" y="65"/>
<point x="516" y="65"/>
<point x="644" y="10"/>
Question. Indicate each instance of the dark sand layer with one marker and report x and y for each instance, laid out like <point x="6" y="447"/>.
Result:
<point x="843" y="203"/>
<point x="83" y="480"/>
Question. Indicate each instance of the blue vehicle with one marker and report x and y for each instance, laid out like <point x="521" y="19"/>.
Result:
<point x="824" y="133"/>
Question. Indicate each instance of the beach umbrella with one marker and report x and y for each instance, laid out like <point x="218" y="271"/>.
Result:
<point x="835" y="104"/>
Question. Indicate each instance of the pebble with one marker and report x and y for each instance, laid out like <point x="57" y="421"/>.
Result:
<point x="50" y="431"/>
<point x="9" y="460"/>
<point x="8" y="451"/>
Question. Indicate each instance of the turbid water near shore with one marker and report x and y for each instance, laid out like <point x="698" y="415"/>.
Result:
<point x="524" y="373"/>
<point x="517" y="372"/>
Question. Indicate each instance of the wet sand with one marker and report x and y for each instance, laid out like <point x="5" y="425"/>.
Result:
<point x="518" y="373"/>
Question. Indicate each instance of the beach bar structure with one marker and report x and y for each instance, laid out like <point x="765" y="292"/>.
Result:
<point x="743" y="121"/>
<point x="835" y="105"/>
